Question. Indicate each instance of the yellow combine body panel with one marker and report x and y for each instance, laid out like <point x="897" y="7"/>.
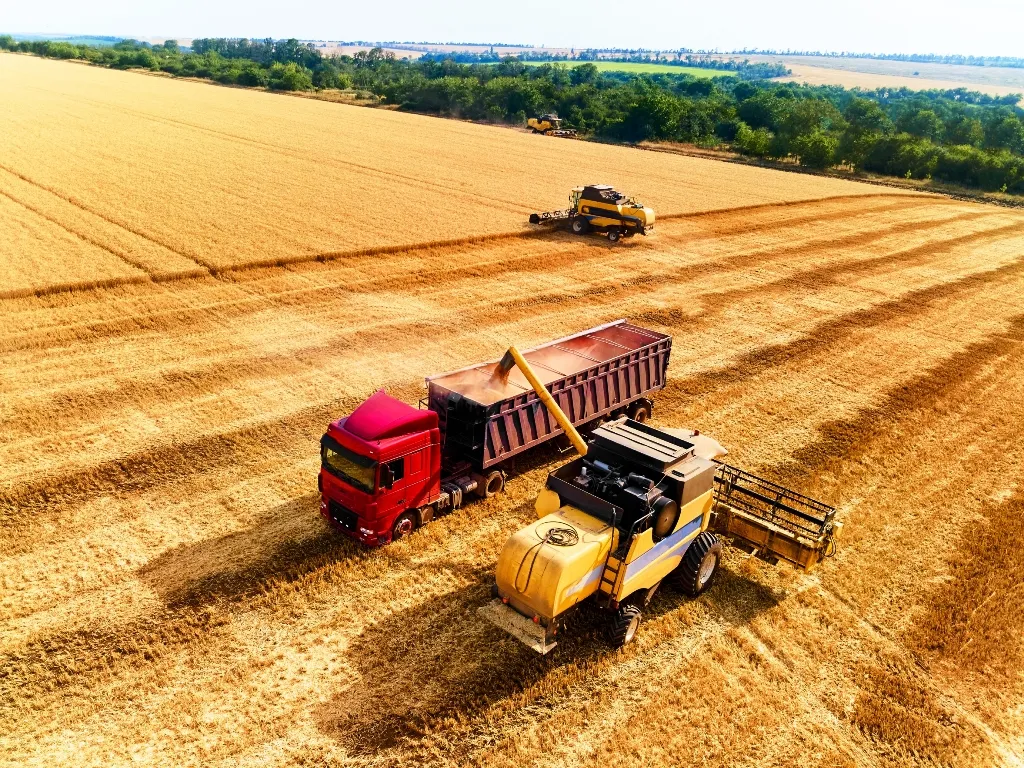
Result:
<point x="606" y="209"/>
<point x="648" y="561"/>
<point x="546" y="579"/>
<point x="540" y="125"/>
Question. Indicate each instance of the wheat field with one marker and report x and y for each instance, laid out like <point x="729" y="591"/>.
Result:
<point x="197" y="279"/>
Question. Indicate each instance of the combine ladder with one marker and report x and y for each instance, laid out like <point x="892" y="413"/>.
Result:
<point x="610" y="576"/>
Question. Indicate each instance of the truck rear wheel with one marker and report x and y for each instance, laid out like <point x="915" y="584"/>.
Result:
<point x="492" y="483"/>
<point x="624" y="624"/>
<point x="405" y="524"/>
<point x="580" y="225"/>
<point x="700" y="564"/>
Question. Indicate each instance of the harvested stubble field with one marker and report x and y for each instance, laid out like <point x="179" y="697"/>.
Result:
<point x="197" y="279"/>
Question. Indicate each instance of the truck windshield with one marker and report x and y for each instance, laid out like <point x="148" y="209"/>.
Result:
<point x="354" y="469"/>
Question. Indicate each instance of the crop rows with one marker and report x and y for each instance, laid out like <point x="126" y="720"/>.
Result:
<point x="170" y="353"/>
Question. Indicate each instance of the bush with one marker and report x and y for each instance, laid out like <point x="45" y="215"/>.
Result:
<point x="816" y="149"/>
<point x="290" y="77"/>
<point x="753" y="141"/>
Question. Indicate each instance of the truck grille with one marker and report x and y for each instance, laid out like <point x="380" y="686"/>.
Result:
<point x="344" y="517"/>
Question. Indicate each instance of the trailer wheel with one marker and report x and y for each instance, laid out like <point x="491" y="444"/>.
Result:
<point x="640" y="412"/>
<point x="614" y="235"/>
<point x="405" y="524"/>
<point x="488" y="486"/>
<point x="580" y="225"/>
<point x="700" y="564"/>
<point x="623" y="626"/>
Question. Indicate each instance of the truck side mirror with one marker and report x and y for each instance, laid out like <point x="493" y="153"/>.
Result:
<point x="387" y="476"/>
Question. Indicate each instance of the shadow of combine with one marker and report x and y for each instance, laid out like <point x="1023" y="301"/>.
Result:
<point x="284" y="545"/>
<point x="437" y="666"/>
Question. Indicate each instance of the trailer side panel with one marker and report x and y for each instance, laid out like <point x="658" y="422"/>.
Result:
<point x="487" y="422"/>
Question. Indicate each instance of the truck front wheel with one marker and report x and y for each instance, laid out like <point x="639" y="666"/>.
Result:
<point x="624" y="624"/>
<point x="405" y="524"/>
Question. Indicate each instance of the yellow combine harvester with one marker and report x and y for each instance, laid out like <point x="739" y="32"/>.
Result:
<point x="550" y="125"/>
<point x="639" y="507"/>
<point x="599" y="208"/>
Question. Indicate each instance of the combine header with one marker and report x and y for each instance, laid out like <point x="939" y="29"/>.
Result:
<point x="638" y="507"/>
<point x="599" y="208"/>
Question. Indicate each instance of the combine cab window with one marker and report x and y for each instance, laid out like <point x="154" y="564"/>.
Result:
<point x="358" y="471"/>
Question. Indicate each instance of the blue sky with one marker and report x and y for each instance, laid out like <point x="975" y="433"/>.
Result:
<point x="981" y="27"/>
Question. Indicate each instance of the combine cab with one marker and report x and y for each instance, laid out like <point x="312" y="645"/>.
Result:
<point x="599" y="208"/>
<point x="550" y="125"/>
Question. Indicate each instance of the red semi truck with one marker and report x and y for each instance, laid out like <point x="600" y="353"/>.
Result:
<point x="388" y="467"/>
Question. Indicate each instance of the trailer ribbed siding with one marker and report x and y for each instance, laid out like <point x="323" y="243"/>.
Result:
<point x="483" y="423"/>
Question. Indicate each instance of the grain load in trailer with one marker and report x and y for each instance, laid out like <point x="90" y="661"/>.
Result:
<point x="389" y="467"/>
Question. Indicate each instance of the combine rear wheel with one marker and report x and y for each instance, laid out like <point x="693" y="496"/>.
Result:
<point x="624" y="624"/>
<point x="580" y="225"/>
<point x="614" y="235"/>
<point x="700" y="564"/>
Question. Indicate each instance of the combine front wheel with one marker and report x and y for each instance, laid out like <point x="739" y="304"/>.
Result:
<point x="580" y="225"/>
<point x="700" y="564"/>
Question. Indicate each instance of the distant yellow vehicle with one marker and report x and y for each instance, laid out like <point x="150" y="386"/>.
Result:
<point x="599" y="208"/>
<point x="550" y="125"/>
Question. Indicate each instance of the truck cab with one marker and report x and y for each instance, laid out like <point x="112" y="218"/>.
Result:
<point x="380" y="466"/>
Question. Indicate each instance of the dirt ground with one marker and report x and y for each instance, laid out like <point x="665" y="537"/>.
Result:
<point x="189" y="299"/>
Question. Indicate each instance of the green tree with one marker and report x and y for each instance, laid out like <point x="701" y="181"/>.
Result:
<point x="753" y="141"/>
<point x="965" y="130"/>
<point x="763" y="110"/>
<point x="1006" y="133"/>
<point x="584" y="74"/>
<point x="289" y="77"/>
<point x="866" y="122"/>
<point x="816" y="149"/>
<point x="923" y="123"/>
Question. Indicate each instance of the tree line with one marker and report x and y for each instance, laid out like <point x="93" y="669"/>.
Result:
<point x="922" y="58"/>
<point x="954" y="136"/>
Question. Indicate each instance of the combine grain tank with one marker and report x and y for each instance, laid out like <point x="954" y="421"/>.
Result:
<point x="389" y="467"/>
